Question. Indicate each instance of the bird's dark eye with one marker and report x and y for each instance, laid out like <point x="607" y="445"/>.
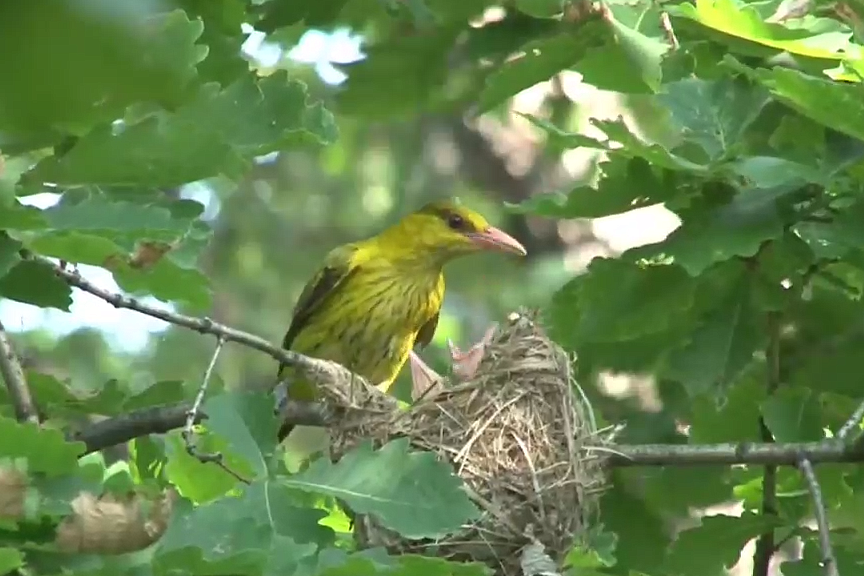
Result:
<point x="455" y="221"/>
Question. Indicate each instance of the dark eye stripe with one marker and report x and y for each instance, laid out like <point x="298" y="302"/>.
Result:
<point x="456" y="222"/>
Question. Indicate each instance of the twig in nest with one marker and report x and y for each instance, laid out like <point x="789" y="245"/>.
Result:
<point x="16" y="383"/>
<point x="194" y="414"/>
<point x="829" y="562"/>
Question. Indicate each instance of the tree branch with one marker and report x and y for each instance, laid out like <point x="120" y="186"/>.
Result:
<point x="16" y="383"/>
<point x="202" y="325"/>
<point x="163" y="419"/>
<point x="765" y="543"/>
<point x="829" y="563"/>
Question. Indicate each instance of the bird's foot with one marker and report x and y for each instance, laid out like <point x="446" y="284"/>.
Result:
<point x="425" y="382"/>
<point x="465" y="364"/>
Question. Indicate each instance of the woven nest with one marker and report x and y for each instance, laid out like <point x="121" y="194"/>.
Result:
<point x="519" y="434"/>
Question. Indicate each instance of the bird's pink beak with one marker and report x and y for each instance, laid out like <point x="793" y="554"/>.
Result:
<point x="494" y="239"/>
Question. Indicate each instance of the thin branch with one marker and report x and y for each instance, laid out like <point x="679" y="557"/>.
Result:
<point x="727" y="454"/>
<point x="192" y="415"/>
<point x="852" y="424"/>
<point x="16" y="383"/>
<point x="202" y="325"/>
<point x="829" y="562"/>
<point x="163" y="419"/>
<point x="765" y="543"/>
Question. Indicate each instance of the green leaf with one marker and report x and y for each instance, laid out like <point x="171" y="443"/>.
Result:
<point x="642" y="535"/>
<point x="242" y="534"/>
<point x="793" y="415"/>
<point x="10" y="560"/>
<point x="713" y="114"/>
<point x="769" y="171"/>
<point x="168" y="282"/>
<point x="836" y="238"/>
<point x="614" y="193"/>
<point x="99" y="61"/>
<point x="635" y="147"/>
<point x="274" y="15"/>
<point x="147" y="459"/>
<point x="419" y="497"/>
<point x="35" y="283"/>
<point x="17" y="216"/>
<point x="247" y="421"/>
<point x="832" y="342"/>
<point x="157" y="394"/>
<point x="722" y="346"/>
<point x="9" y="253"/>
<point x="641" y="52"/>
<point x="836" y="105"/>
<point x="538" y="61"/>
<point x="196" y="480"/>
<point x="715" y="235"/>
<point x="715" y="545"/>
<point x="558" y="139"/>
<point x="398" y="76"/>
<point x="335" y="562"/>
<point x="98" y="214"/>
<point x="46" y="450"/>
<point x="217" y="133"/>
<point x="618" y="300"/>
<point x="701" y="486"/>
<point x="733" y="417"/>
<point x="540" y="8"/>
<point x="811" y="564"/>
<point x="745" y="22"/>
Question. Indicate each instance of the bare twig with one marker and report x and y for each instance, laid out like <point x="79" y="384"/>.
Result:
<point x="202" y="325"/>
<point x="16" y="383"/>
<point x="193" y="415"/>
<point x="829" y="562"/>
<point x="765" y="543"/>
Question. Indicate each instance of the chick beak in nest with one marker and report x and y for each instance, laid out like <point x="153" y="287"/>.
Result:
<point x="465" y="364"/>
<point x="425" y="382"/>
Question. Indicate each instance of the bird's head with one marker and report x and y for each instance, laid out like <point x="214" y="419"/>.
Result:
<point x="444" y="230"/>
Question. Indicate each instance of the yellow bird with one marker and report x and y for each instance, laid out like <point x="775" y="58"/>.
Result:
<point x="373" y="301"/>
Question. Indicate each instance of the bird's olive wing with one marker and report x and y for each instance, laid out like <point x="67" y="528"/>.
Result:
<point x="339" y="265"/>
<point x="426" y="332"/>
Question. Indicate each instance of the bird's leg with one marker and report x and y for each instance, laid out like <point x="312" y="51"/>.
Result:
<point x="465" y="364"/>
<point x="425" y="382"/>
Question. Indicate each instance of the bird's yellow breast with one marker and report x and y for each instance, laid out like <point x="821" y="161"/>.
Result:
<point x="370" y="325"/>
